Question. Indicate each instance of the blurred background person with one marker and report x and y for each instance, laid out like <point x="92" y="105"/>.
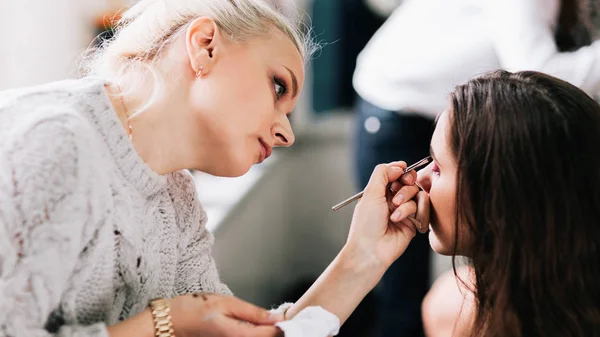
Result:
<point x="383" y="8"/>
<point x="403" y="77"/>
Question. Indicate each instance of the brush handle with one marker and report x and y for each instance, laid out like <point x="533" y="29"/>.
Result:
<point x="348" y="201"/>
<point x="359" y="195"/>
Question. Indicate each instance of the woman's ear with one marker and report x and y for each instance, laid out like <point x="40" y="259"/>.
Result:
<point x="202" y="41"/>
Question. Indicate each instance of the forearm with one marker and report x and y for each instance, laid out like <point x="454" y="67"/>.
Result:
<point x="140" y="325"/>
<point x="342" y="286"/>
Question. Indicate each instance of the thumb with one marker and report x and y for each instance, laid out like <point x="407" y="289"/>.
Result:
<point x="233" y="327"/>
<point x="247" y="312"/>
<point x="381" y="177"/>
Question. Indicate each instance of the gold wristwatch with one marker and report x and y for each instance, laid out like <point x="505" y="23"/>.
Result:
<point x="161" y="314"/>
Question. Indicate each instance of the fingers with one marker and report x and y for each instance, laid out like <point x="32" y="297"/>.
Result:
<point x="409" y="223"/>
<point x="395" y="186"/>
<point x="423" y="211"/>
<point x="406" y="192"/>
<point x="403" y="211"/>
<point x="264" y="331"/>
<point x="408" y="178"/>
<point x="225" y="326"/>
<point x="417" y="224"/>
<point x="401" y="164"/>
<point x="399" y="188"/>
<point x="419" y="207"/>
<point x="245" y="311"/>
<point x="381" y="177"/>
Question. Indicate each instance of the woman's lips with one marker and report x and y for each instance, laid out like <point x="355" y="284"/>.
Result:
<point x="265" y="152"/>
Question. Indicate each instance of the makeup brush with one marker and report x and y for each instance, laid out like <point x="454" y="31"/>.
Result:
<point x="357" y="196"/>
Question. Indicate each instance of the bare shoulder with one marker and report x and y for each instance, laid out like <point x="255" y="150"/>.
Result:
<point x="449" y="308"/>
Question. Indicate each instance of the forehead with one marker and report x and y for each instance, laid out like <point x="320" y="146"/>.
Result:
<point x="440" y="134"/>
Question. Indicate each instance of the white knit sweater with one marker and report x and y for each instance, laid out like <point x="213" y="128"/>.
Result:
<point x="88" y="232"/>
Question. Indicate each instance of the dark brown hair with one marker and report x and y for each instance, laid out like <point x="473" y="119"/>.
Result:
<point x="528" y="190"/>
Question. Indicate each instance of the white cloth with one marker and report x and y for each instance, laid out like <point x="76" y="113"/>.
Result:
<point x="426" y="47"/>
<point x="310" y="322"/>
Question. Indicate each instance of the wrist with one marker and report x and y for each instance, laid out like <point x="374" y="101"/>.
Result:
<point x="343" y="285"/>
<point x="139" y="325"/>
<point x="161" y="316"/>
<point x="361" y="262"/>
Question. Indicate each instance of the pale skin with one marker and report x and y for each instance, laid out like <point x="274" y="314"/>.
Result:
<point x="438" y="179"/>
<point x="223" y="122"/>
<point x="449" y="307"/>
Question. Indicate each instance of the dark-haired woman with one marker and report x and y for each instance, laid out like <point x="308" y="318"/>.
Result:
<point x="514" y="187"/>
<point x="408" y="67"/>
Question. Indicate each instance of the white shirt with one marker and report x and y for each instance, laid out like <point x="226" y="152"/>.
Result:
<point x="427" y="47"/>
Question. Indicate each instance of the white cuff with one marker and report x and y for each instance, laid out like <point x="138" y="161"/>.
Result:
<point x="282" y="308"/>
<point x="310" y="322"/>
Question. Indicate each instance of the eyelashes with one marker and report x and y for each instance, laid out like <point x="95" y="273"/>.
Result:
<point x="281" y="89"/>
<point x="435" y="169"/>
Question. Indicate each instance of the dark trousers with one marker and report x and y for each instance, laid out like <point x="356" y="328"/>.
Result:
<point x="389" y="136"/>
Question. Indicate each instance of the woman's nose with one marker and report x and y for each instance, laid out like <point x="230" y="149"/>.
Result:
<point x="424" y="178"/>
<point x="283" y="134"/>
<point x="281" y="140"/>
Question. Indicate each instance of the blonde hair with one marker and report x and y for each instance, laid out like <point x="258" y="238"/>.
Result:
<point x="148" y="27"/>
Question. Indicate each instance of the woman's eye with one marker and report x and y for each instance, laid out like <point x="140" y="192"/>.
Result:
<point x="435" y="169"/>
<point x="280" y="88"/>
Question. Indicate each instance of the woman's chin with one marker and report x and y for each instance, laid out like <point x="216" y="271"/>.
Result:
<point x="231" y="170"/>
<point x="437" y="245"/>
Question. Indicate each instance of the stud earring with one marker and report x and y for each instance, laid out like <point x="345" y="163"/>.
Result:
<point x="199" y="72"/>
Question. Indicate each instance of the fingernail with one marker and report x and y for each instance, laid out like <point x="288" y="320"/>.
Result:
<point x="398" y="199"/>
<point x="396" y="168"/>
<point x="396" y="216"/>
<point x="408" y="178"/>
<point x="417" y="223"/>
<point x="276" y="317"/>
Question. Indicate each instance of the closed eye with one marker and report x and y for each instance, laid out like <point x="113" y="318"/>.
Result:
<point x="435" y="169"/>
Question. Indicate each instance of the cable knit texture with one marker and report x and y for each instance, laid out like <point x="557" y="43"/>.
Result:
<point x="88" y="232"/>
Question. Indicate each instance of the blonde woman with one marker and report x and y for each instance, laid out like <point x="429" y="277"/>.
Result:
<point x="98" y="217"/>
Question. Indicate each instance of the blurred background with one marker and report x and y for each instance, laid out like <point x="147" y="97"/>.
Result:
<point x="281" y="210"/>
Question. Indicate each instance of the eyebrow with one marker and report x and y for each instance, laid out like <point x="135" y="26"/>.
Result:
<point x="294" y="82"/>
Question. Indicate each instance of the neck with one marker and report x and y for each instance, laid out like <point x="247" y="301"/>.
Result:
<point x="154" y="138"/>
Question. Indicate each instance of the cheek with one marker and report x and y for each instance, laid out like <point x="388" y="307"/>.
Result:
<point x="246" y="98"/>
<point x="442" y="195"/>
<point x="443" y="216"/>
<point x="247" y="109"/>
